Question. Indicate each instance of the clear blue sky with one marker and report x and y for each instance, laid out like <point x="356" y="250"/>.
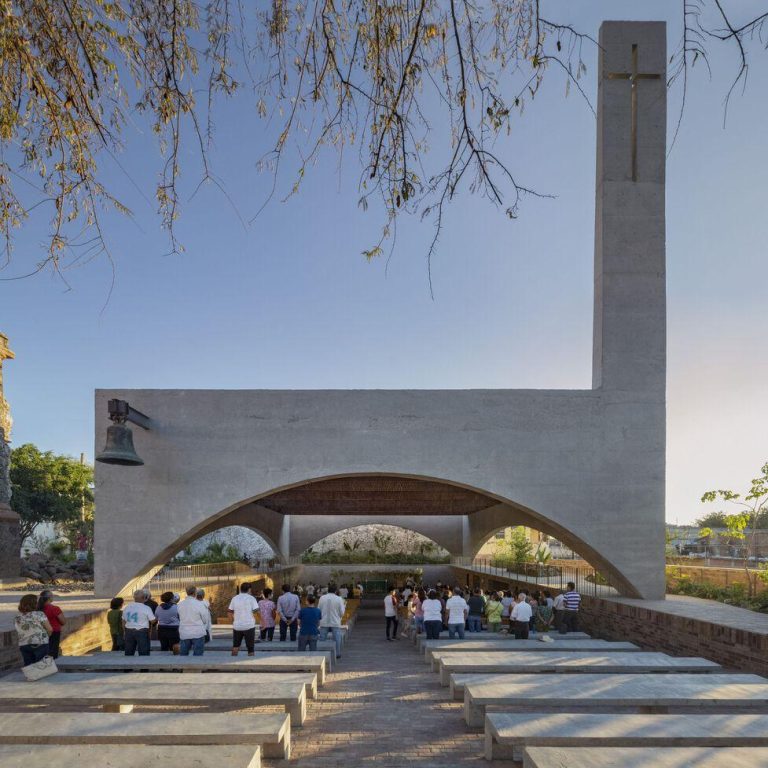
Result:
<point x="289" y="302"/>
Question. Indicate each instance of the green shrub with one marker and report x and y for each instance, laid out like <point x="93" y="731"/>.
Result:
<point x="357" y="556"/>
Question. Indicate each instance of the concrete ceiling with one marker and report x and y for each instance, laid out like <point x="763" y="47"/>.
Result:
<point x="375" y="495"/>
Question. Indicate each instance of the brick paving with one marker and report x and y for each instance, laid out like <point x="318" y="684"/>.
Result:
<point x="383" y="706"/>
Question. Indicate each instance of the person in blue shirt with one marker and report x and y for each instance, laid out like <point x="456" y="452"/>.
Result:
<point x="309" y="625"/>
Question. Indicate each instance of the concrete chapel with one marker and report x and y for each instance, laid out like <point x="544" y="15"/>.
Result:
<point x="586" y="466"/>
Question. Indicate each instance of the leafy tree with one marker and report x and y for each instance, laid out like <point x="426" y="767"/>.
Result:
<point x="517" y="549"/>
<point x="330" y="74"/>
<point x="50" y="488"/>
<point x="743" y="524"/>
<point x="712" y="520"/>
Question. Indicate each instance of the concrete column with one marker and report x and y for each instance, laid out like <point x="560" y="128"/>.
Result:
<point x="284" y="540"/>
<point x="630" y="279"/>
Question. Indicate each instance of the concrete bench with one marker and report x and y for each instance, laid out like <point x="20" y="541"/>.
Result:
<point x="120" y="692"/>
<point x="494" y="637"/>
<point x="454" y="670"/>
<point x="650" y="757"/>
<point x="208" y="662"/>
<point x="649" y="693"/>
<point x="507" y="733"/>
<point x="271" y="732"/>
<point x="225" y="631"/>
<point x="224" y="645"/>
<point x="572" y="646"/>
<point x="117" y="756"/>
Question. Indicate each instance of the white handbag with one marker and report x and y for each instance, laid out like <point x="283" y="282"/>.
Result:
<point x="40" y="669"/>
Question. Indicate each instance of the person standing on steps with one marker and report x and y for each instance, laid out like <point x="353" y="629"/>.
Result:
<point x="571" y="603"/>
<point x="476" y="605"/>
<point x="458" y="610"/>
<point x="288" y="607"/>
<point x="433" y="615"/>
<point x="267" y="613"/>
<point x="56" y="619"/>
<point x="167" y="615"/>
<point x="242" y="609"/>
<point x="520" y="617"/>
<point x="493" y="609"/>
<point x="390" y="614"/>
<point x="194" y="622"/>
<point x="137" y="621"/>
<point x="332" y="609"/>
<point x="309" y="625"/>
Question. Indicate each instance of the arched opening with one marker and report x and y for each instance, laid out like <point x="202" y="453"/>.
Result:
<point x="230" y="542"/>
<point x="375" y="543"/>
<point x="457" y="517"/>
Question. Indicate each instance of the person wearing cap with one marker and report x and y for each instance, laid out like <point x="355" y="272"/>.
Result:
<point x="56" y="619"/>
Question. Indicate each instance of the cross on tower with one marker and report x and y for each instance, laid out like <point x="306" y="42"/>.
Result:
<point x="634" y="76"/>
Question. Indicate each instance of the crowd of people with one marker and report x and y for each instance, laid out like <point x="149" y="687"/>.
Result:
<point x="459" y="610"/>
<point x="302" y="615"/>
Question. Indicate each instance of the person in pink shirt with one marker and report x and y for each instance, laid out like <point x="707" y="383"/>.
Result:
<point x="267" y="616"/>
<point x="418" y="611"/>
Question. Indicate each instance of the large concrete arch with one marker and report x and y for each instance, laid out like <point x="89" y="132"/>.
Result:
<point x="585" y="464"/>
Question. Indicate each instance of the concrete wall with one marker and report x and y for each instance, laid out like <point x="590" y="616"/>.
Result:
<point x="586" y="466"/>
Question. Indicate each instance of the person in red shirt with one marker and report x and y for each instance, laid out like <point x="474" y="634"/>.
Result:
<point x="56" y="619"/>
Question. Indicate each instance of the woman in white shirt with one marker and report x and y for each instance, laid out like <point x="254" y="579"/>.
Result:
<point x="433" y="615"/>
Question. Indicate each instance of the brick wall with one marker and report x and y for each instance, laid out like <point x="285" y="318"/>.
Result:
<point x="654" y="630"/>
<point x="732" y="647"/>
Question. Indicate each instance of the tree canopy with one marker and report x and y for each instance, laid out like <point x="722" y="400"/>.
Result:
<point x="50" y="488"/>
<point x="391" y="80"/>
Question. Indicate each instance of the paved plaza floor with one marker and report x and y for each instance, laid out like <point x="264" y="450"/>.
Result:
<point x="384" y="707"/>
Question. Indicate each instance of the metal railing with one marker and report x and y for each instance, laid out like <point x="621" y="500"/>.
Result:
<point x="588" y="581"/>
<point x="176" y="577"/>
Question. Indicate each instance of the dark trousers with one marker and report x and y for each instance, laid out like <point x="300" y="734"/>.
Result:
<point x="54" y="640"/>
<point x="569" y="622"/>
<point x="432" y="628"/>
<point x="249" y="635"/>
<point x="294" y="625"/>
<point x="168" y="637"/>
<point x="267" y="633"/>
<point x="558" y="619"/>
<point x="118" y="643"/>
<point x="521" y="630"/>
<point x="392" y="622"/>
<point x="307" y="642"/>
<point x="32" y="653"/>
<point x="137" y="640"/>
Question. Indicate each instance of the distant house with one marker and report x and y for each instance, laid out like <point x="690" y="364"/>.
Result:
<point x="687" y="541"/>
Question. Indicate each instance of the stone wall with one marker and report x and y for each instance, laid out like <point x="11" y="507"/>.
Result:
<point x="238" y="536"/>
<point x="82" y="633"/>
<point x="394" y="574"/>
<point x="366" y="538"/>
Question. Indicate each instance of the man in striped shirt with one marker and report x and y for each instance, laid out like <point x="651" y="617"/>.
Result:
<point x="571" y="603"/>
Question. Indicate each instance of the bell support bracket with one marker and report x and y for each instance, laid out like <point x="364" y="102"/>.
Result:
<point x="120" y="412"/>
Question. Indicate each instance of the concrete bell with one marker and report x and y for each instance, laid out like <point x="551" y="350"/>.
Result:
<point x="119" y="448"/>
